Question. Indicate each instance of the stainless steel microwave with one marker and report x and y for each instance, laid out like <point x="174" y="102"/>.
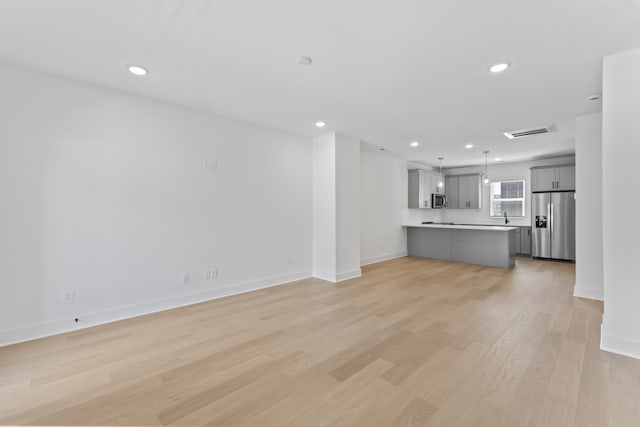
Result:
<point x="438" y="201"/>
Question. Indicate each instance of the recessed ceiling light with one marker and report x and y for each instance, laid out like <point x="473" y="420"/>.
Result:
<point x="304" y="60"/>
<point x="320" y="124"/>
<point x="594" y="97"/>
<point x="414" y="143"/>
<point x="137" y="70"/>
<point x="498" y="68"/>
<point x="468" y="146"/>
<point x="497" y="159"/>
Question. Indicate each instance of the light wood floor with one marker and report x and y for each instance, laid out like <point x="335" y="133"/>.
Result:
<point x="413" y="342"/>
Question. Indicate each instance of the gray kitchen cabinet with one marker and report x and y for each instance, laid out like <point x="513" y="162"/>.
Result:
<point x="543" y="179"/>
<point x="475" y="189"/>
<point x="553" y="178"/>
<point x="469" y="192"/>
<point x="418" y="196"/>
<point x="566" y="178"/>
<point x="451" y="193"/>
<point x="517" y="239"/>
<point x="525" y="240"/>
<point x="431" y="181"/>
<point x="421" y="185"/>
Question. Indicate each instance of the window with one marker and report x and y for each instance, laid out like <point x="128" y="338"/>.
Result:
<point x="507" y="196"/>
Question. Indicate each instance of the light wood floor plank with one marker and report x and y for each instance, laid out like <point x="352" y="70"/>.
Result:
<point x="413" y="342"/>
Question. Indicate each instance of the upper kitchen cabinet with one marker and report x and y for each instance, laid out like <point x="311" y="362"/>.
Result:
<point x="421" y="185"/>
<point x="469" y="189"/>
<point x="417" y="190"/>
<point x="463" y="192"/>
<point x="553" y="178"/>
<point x="451" y="187"/>
<point x="566" y="178"/>
<point x="437" y="183"/>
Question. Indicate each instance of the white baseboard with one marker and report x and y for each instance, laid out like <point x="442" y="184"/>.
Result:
<point x="337" y="277"/>
<point x="589" y="293"/>
<point x="323" y="275"/>
<point x="86" y="320"/>
<point x="619" y="345"/>
<point x="379" y="258"/>
<point x="348" y="275"/>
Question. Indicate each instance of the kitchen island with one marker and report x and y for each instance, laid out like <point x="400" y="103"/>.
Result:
<point x="493" y="246"/>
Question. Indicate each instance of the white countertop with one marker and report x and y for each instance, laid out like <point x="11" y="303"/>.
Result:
<point x="463" y="227"/>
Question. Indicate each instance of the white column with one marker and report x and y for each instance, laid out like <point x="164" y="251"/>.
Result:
<point x="589" y="207"/>
<point x="621" y="203"/>
<point x="336" y="207"/>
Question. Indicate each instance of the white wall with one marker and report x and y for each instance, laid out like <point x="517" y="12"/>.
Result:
<point x="336" y="207"/>
<point x="347" y="207"/>
<point x="499" y="172"/>
<point x="621" y="151"/>
<point x="108" y="194"/>
<point x="383" y="196"/>
<point x="589" y="207"/>
<point x="324" y="207"/>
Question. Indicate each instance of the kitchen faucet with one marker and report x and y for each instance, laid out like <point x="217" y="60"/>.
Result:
<point x="506" y="218"/>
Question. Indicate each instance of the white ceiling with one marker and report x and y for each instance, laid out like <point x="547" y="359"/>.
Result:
<point x="385" y="71"/>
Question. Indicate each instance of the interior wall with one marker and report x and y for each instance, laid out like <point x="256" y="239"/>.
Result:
<point x="589" y="207"/>
<point x="620" y="154"/>
<point x="347" y="162"/>
<point x="117" y="197"/>
<point x="499" y="172"/>
<point x="383" y="196"/>
<point x="324" y="207"/>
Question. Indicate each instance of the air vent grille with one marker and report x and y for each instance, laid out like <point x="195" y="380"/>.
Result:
<point x="521" y="133"/>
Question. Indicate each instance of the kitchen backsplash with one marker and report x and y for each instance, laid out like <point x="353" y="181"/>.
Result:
<point x="459" y="216"/>
<point x="416" y="216"/>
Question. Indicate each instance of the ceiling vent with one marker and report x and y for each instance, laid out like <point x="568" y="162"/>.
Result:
<point x="521" y="133"/>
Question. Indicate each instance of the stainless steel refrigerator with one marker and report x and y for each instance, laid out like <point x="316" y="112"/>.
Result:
<point x="554" y="225"/>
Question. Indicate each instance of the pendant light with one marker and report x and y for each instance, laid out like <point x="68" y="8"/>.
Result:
<point x="486" y="176"/>
<point x="440" y="181"/>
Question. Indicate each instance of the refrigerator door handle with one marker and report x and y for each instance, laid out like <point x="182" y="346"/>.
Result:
<point x="551" y="220"/>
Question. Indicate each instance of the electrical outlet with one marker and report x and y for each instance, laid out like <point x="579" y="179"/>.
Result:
<point x="211" y="166"/>
<point x="69" y="296"/>
<point x="185" y="279"/>
<point x="211" y="274"/>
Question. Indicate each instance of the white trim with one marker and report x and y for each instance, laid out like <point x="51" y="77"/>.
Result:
<point x="323" y="275"/>
<point x="379" y="258"/>
<point x="338" y="277"/>
<point x="589" y="293"/>
<point x="59" y="326"/>
<point x="619" y="345"/>
<point x="348" y="275"/>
